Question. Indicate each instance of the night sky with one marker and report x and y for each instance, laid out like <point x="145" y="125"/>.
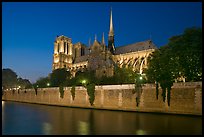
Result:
<point x="29" y="29"/>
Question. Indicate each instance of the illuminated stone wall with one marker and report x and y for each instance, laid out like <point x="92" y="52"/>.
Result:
<point x="138" y="60"/>
<point x="63" y="48"/>
<point x="186" y="98"/>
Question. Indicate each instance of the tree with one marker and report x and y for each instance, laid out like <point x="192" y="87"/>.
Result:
<point x="24" y="83"/>
<point x="124" y="74"/>
<point x="9" y="78"/>
<point x="181" y="57"/>
<point x="59" y="76"/>
<point x="161" y="70"/>
<point x="85" y="77"/>
<point x="187" y="48"/>
<point x="42" y="82"/>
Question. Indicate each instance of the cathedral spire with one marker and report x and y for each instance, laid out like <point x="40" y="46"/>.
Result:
<point x="89" y="42"/>
<point x="95" y="37"/>
<point x="111" y="45"/>
<point x="111" y="32"/>
<point x="103" y="39"/>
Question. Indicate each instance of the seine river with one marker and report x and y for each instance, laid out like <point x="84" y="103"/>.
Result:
<point x="33" y="119"/>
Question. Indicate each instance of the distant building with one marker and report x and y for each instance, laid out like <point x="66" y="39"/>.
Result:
<point x="98" y="56"/>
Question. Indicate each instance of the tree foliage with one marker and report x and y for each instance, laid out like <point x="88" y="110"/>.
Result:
<point x="73" y="92"/>
<point x="122" y="75"/>
<point x="91" y="92"/>
<point x="86" y="79"/>
<point x="139" y="80"/>
<point x="59" y="76"/>
<point x="187" y="49"/>
<point x="11" y="80"/>
<point x="42" y="82"/>
<point x="24" y="83"/>
<point x="61" y="90"/>
<point x="182" y="57"/>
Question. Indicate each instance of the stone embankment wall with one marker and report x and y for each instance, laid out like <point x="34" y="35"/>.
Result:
<point x="186" y="98"/>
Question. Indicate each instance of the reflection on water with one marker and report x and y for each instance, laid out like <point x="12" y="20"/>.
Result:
<point x="140" y="132"/>
<point x="3" y="103"/>
<point x="47" y="127"/>
<point x="83" y="128"/>
<point x="22" y="119"/>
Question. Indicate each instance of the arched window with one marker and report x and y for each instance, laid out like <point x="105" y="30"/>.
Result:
<point x="67" y="48"/>
<point x="82" y="52"/>
<point x="64" y="46"/>
<point x="75" y="51"/>
<point x="58" y="47"/>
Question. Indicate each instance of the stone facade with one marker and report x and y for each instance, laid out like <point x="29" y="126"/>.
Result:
<point x="98" y="56"/>
<point x="186" y="98"/>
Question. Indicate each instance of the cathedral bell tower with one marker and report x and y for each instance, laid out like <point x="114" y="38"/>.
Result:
<point x="62" y="57"/>
<point x="111" y="45"/>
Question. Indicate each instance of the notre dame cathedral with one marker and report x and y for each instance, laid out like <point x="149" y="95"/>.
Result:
<point x="98" y="56"/>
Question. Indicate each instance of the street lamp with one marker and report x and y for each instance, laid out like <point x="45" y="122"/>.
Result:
<point x="140" y="77"/>
<point x="83" y="81"/>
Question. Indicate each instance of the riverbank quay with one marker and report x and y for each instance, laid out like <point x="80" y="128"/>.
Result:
<point x="186" y="98"/>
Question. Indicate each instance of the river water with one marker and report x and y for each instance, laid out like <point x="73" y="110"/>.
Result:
<point x="33" y="119"/>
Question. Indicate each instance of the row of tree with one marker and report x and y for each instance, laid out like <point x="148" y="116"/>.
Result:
<point x="63" y="77"/>
<point x="11" y="80"/>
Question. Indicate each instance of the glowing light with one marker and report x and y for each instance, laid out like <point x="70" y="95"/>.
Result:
<point x="83" y="128"/>
<point x="48" y="84"/>
<point x="18" y="87"/>
<point x="56" y="60"/>
<point x="47" y="128"/>
<point x="3" y="104"/>
<point x="83" y="81"/>
<point x="140" y="78"/>
<point x="140" y="132"/>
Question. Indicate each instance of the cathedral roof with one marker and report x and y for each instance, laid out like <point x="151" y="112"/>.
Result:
<point x="144" y="45"/>
<point x="62" y="37"/>
<point x="79" y="44"/>
<point x="81" y="59"/>
<point x="96" y="42"/>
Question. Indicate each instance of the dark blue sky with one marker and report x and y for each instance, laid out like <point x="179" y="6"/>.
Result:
<point x="29" y="29"/>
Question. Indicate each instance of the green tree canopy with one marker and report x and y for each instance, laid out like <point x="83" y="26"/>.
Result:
<point x="9" y="78"/>
<point x="122" y="75"/>
<point x="187" y="49"/>
<point x="42" y="82"/>
<point x="181" y="57"/>
<point x="24" y="83"/>
<point x="59" y="76"/>
<point x="84" y="78"/>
